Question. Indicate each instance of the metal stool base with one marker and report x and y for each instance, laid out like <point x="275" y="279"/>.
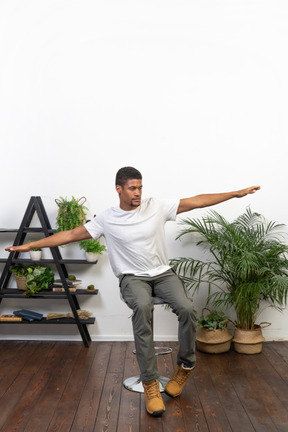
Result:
<point x="135" y="384"/>
<point x="161" y="350"/>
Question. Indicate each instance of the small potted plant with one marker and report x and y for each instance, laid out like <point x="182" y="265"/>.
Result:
<point x="20" y="272"/>
<point x="71" y="213"/>
<point x="213" y="335"/>
<point x="35" y="254"/>
<point x="92" y="249"/>
<point x="32" y="278"/>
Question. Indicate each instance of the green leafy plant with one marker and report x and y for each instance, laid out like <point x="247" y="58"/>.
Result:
<point x="247" y="268"/>
<point x="37" y="277"/>
<point x="92" y="246"/>
<point x="213" y="321"/>
<point x="90" y="288"/>
<point x="71" y="213"/>
<point x="19" y="270"/>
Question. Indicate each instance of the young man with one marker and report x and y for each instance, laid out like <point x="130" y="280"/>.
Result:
<point x="134" y="234"/>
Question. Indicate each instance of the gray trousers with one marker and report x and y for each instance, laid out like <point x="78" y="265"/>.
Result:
<point x="138" y="292"/>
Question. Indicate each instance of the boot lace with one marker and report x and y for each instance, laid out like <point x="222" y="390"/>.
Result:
<point x="152" y="390"/>
<point x="181" y="375"/>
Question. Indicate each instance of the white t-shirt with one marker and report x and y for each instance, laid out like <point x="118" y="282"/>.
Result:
<point x="135" y="239"/>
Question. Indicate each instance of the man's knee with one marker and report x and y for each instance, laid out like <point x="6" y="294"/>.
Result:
<point x="186" y="311"/>
<point x="143" y="308"/>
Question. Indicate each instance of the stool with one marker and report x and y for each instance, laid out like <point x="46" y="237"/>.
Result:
<point x="134" y="383"/>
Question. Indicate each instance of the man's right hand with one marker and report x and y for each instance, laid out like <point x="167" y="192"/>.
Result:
<point x="23" y="248"/>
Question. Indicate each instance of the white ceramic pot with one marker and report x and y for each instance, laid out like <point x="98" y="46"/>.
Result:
<point x="35" y="255"/>
<point x="91" y="257"/>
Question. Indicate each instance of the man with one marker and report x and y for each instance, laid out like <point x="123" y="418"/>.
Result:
<point x="134" y="234"/>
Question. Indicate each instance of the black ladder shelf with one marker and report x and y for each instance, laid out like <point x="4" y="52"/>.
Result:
<point x="36" y="206"/>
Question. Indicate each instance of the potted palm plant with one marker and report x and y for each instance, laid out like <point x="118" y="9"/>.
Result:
<point x="247" y="269"/>
<point x="92" y="249"/>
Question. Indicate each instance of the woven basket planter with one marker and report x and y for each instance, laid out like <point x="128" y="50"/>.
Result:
<point x="249" y="341"/>
<point x="213" y="341"/>
<point x="21" y="283"/>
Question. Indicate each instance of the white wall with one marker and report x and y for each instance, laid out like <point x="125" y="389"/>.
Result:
<point x="194" y="94"/>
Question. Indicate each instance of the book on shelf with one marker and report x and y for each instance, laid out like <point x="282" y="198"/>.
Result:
<point x="28" y="315"/>
<point x="68" y="281"/>
<point x="10" y="317"/>
<point x="62" y="289"/>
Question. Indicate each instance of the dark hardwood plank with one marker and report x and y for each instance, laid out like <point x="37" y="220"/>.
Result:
<point x="108" y="412"/>
<point x="13" y="404"/>
<point x="64" y="387"/>
<point x="191" y="407"/>
<point x="239" y="368"/>
<point x="276" y="360"/>
<point x="30" y="398"/>
<point x="173" y="418"/>
<point x="13" y="353"/>
<point x="276" y="410"/>
<point x="117" y="358"/>
<point x="107" y="417"/>
<point x="65" y="355"/>
<point x="214" y="411"/>
<point x="69" y="402"/>
<point x="272" y="377"/>
<point x="281" y="348"/>
<point x="235" y="413"/>
<point x="86" y="414"/>
<point x="194" y="417"/>
<point x="129" y="412"/>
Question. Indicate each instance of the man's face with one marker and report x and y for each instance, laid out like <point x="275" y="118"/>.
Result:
<point x="130" y="194"/>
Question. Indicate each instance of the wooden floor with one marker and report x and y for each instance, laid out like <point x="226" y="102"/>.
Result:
<point x="62" y="386"/>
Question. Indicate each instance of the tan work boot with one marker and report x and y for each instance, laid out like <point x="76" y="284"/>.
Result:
<point x="154" y="403"/>
<point x="175" y="386"/>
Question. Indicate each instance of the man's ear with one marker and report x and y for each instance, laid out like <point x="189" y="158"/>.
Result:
<point x="118" y="188"/>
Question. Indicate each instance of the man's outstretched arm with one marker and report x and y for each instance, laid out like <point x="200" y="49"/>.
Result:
<point x="58" y="239"/>
<point x="207" y="200"/>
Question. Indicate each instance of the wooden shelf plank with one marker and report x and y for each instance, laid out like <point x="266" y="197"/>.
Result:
<point x="14" y="293"/>
<point x="90" y="320"/>
<point x="26" y="230"/>
<point x="48" y="261"/>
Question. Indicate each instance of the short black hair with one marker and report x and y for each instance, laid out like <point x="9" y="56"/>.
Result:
<point x="127" y="173"/>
